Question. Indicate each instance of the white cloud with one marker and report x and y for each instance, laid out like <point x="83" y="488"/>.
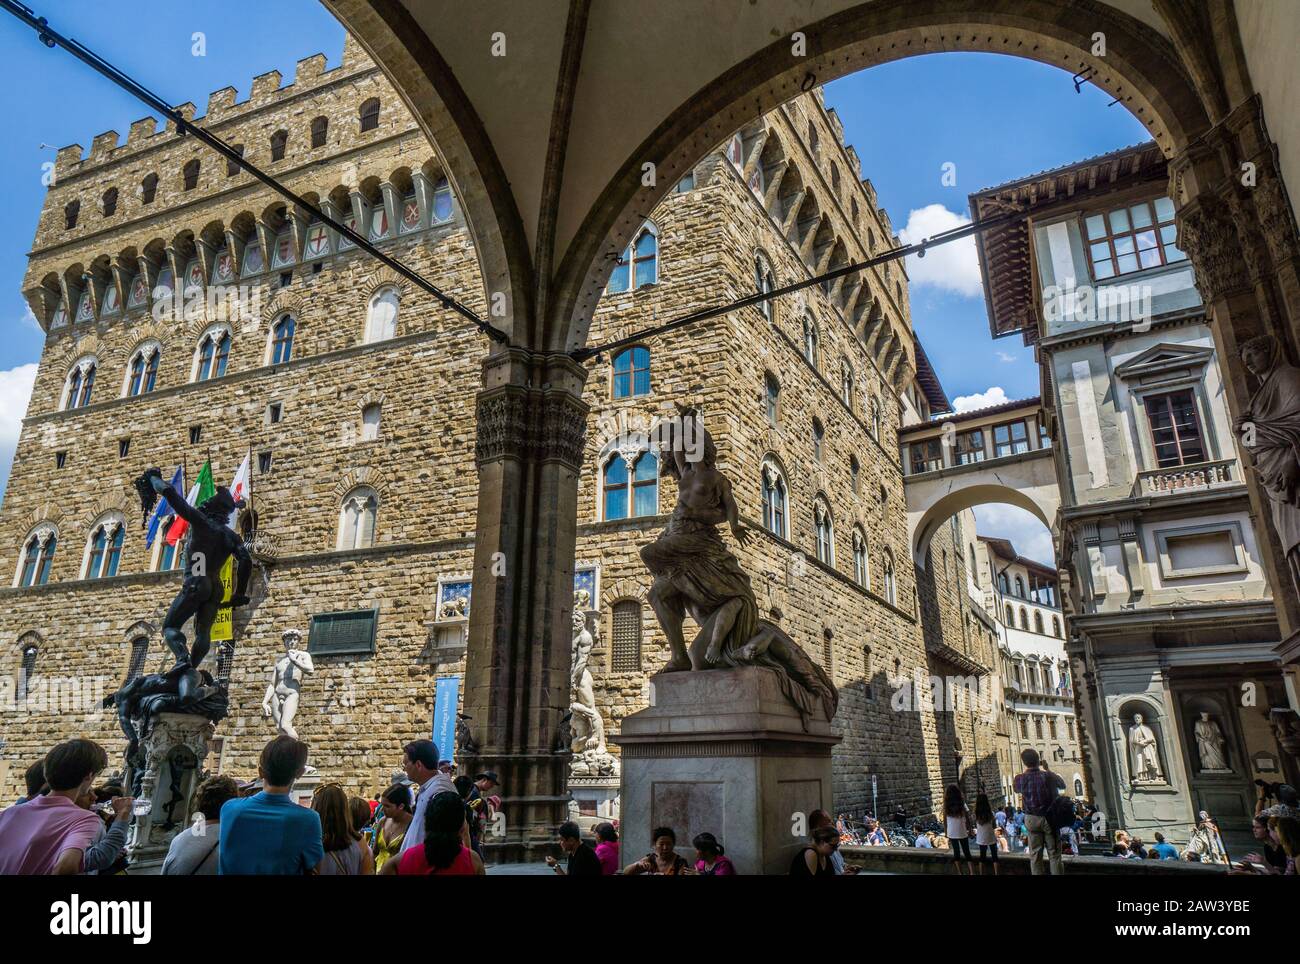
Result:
<point x="30" y="321"/>
<point x="987" y="399"/>
<point x="953" y="266"/>
<point x="15" y="391"/>
<point x="1006" y="356"/>
<point x="1027" y="534"/>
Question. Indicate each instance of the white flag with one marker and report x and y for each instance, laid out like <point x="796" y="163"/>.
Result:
<point x="240" y="488"/>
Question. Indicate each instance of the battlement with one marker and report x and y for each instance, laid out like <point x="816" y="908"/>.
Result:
<point x="266" y="90"/>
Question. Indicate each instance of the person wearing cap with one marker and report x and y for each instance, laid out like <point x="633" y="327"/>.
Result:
<point x="480" y="807"/>
<point x="420" y="763"/>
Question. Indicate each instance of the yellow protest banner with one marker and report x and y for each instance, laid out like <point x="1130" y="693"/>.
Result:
<point x="223" y="627"/>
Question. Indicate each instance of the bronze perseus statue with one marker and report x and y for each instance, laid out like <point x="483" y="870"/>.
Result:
<point x="212" y="542"/>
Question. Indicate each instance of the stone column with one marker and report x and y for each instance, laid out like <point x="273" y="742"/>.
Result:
<point x="1236" y="227"/>
<point x="530" y="431"/>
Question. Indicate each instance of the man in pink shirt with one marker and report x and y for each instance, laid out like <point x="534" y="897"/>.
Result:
<point x="49" y="834"/>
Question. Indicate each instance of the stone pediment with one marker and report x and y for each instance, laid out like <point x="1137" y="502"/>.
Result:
<point x="1165" y="359"/>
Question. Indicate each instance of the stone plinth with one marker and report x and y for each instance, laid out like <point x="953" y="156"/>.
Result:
<point x="723" y="751"/>
<point x="174" y="752"/>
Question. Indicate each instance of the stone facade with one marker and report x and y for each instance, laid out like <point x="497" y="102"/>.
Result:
<point x="309" y="425"/>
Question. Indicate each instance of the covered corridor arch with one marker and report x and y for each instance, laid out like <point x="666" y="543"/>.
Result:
<point x="546" y="116"/>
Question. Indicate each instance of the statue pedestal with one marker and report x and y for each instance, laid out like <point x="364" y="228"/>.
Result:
<point x="174" y="752"/>
<point x="723" y="751"/>
<point x="594" y="800"/>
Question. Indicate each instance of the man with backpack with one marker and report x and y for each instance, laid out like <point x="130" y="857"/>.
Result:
<point x="1039" y="788"/>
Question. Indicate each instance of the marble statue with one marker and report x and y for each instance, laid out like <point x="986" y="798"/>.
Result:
<point x="1210" y="745"/>
<point x="1269" y="431"/>
<point x="591" y="756"/>
<point x="695" y="572"/>
<point x="212" y="542"/>
<point x="1143" y="752"/>
<point x="282" y="695"/>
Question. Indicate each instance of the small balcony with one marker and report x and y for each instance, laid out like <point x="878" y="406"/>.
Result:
<point x="1188" y="478"/>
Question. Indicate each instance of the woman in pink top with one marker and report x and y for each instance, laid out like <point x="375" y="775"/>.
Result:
<point x="443" y="851"/>
<point x="607" y="849"/>
<point x="710" y="861"/>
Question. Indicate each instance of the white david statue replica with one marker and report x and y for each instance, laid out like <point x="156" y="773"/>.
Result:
<point x="281" y="701"/>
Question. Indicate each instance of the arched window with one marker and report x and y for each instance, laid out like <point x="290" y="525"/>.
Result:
<point x="764" y="282"/>
<point x="736" y="152"/>
<point x="370" y="422"/>
<point x="824" y="531"/>
<point x="27" y="667"/>
<point x="1020" y="588"/>
<point x="855" y="473"/>
<point x="109" y="203"/>
<point x="213" y="355"/>
<point x="232" y="168"/>
<point x="1002" y="583"/>
<point x="891" y="584"/>
<point x="1024" y="619"/>
<point x="974" y="565"/>
<point x="104" y="550"/>
<point x="442" y="209"/>
<point x="149" y="188"/>
<point x="810" y="340"/>
<point x="370" y="114"/>
<point x="143" y="373"/>
<point x="357" y="518"/>
<point x="282" y="340"/>
<point x="846" y="383"/>
<point x="190" y="175"/>
<point x="631" y="490"/>
<point x="139" y="652"/>
<point x="861" y="565"/>
<point x="1038" y="623"/>
<point x="381" y="316"/>
<point x="38" y="555"/>
<point x="639" y="264"/>
<point x="71" y="211"/>
<point x="81" y="384"/>
<point x="279" y="142"/>
<point x="632" y="372"/>
<point x="319" y="131"/>
<point x="166" y="555"/>
<point x="1056" y="627"/>
<point x="772" y="398"/>
<point x="625" y="649"/>
<point x="1011" y="618"/>
<point x="818" y="438"/>
<point x="775" y="508"/>
<point x="835" y="179"/>
<point x="814" y="141"/>
<point x="875" y="418"/>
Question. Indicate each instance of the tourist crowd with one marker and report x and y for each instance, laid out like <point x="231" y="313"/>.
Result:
<point x="432" y="823"/>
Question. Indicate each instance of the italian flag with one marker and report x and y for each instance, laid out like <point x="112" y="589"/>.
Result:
<point x="202" y="490"/>
<point x="239" y="488"/>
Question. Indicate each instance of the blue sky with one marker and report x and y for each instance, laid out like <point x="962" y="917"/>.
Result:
<point x="995" y="118"/>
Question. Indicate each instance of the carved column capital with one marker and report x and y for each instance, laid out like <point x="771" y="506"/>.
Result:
<point x="516" y="420"/>
<point x="1208" y="234"/>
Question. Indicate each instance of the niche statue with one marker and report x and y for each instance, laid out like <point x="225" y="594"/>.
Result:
<point x="212" y="542"/>
<point x="1270" y="435"/>
<point x="695" y="572"/>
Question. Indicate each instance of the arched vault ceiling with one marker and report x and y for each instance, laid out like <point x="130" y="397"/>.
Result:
<point x="639" y="62"/>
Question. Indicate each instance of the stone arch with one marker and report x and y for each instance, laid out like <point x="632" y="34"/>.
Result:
<point x="284" y="300"/>
<point x="358" y="476"/>
<point x="1042" y="502"/>
<point x="1141" y="69"/>
<point x="620" y="590"/>
<point x="383" y="277"/>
